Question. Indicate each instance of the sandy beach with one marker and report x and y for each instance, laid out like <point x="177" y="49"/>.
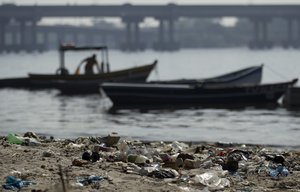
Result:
<point x="113" y="163"/>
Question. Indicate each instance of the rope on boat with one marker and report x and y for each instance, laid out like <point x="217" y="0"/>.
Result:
<point x="277" y="73"/>
<point x="156" y="72"/>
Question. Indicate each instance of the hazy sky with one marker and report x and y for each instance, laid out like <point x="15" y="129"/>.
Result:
<point x="151" y="1"/>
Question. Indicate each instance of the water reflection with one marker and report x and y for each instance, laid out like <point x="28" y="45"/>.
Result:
<point x="49" y="113"/>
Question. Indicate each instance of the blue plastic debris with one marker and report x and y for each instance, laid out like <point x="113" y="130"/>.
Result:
<point x="279" y="171"/>
<point x="86" y="180"/>
<point x="15" y="184"/>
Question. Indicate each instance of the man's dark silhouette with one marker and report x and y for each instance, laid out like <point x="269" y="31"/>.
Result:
<point x="89" y="64"/>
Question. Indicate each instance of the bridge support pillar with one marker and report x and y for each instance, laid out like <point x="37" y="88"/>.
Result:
<point x="28" y="35"/>
<point x="3" y="25"/>
<point x="14" y="37"/>
<point x="290" y="42"/>
<point x="298" y="33"/>
<point x="265" y="32"/>
<point x="260" y="34"/>
<point x="290" y="31"/>
<point x="128" y="35"/>
<point x="171" y="30"/>
<point x="161" y="37"/>
<point x="11" y="42"/>
<point x="23" y="42"/>
<point x="133" y="40"/>
<point x="42" y="39"/>
<point x="256" y="31"/>
<point x="163" y="43"/>
<point x="33" y="36"/>
<point x="137" y="34"/>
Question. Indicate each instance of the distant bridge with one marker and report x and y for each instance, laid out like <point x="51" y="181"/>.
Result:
<point x="26" y="17"/>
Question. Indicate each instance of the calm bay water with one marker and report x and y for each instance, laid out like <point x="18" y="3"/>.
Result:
<point x="49" y="113"/>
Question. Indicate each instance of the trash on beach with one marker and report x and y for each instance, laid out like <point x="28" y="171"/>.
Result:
<point x="95" y="156"/>
<point x="133" y="168"/>
<point x="86" y="180"/>
<point x="232" y="161"/>
<point x="15" y="184"/>
<point x="86" y="156"/>
<point x="149" y="169"/>
<point x="204" y="167"/>
<point x="278" y="171"/>
<point x="123" y="149"/>
<point x="138" y="159"/>
<point x="103" y="147"/>
<point x="163" y="173"/>
<point x="31" y="135"/>
<point x="191" y="164"/>
<point x="31" y="142"/>
<point x="184" y="178"/>
<point x="178" y="146"/>
<point x="13" y="139"/>
<point x="275" y="158"/>
<point x="212" y="180"/>
<point x="79" y="163"/>
<point x="111" y="140"/>
<point x="74" y="145"/>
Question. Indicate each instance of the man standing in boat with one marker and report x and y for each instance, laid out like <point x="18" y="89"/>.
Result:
<point x="89" y="65"/>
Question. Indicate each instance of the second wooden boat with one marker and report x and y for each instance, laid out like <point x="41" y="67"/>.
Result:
<point x="137" y="95"/>
<point x="249" y="75"/>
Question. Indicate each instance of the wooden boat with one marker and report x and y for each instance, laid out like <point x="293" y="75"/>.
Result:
<point x="249" y="75"/>
<point x="20" y="82"/>
<point x="62" y="75"/>
<point x="138" y="95"/>
<point x="91" y="85"/>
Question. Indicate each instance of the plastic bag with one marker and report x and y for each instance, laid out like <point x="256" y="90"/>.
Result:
<point x="212" y="180"/>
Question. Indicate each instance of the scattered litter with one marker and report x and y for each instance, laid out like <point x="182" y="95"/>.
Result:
<point x="15" y="184"/>
<point x="163" y="173"/>
<point x="198" y="167"/>
<point x="86" y="180"/>
<point x="278" y="171"/>
<point x="13" y="139"/>
<point x="212" y="180"/>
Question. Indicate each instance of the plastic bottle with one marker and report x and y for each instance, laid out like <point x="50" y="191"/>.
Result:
<point x="13" y="139"/>
<point x="177" y="146"/>
<point x="131" y="158"/>
<point x="123" y="147"/>
<point x="141" y="159"/>
<point x="146" y="170"/>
